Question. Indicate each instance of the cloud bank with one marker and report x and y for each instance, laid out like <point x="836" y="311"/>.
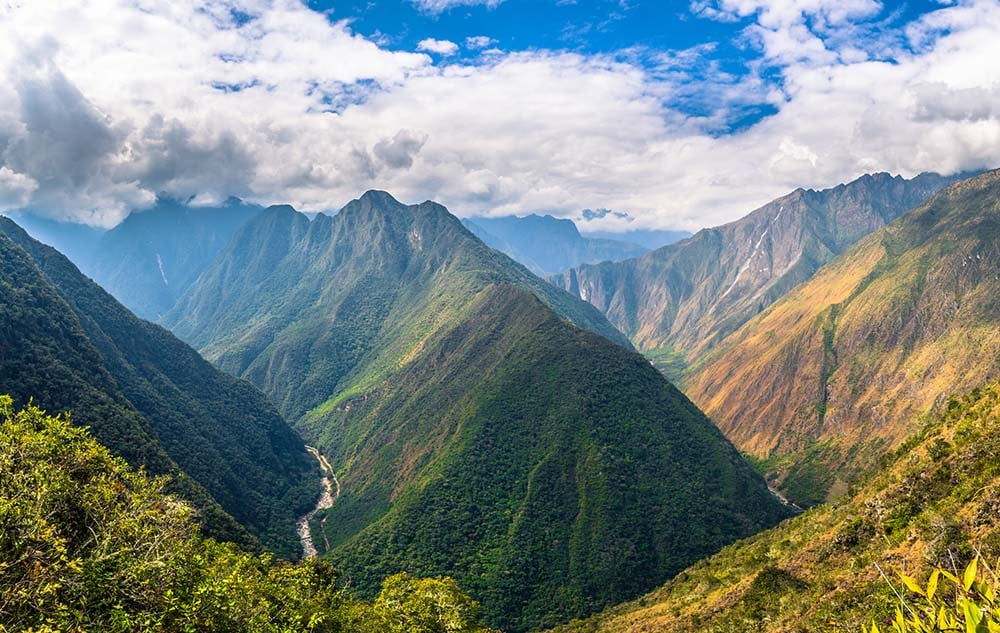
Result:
<point x="105" y="103"/>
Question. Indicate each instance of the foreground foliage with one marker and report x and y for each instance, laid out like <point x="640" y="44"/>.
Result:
<point x="87" y="544"/>
<point x="949" y="603"/>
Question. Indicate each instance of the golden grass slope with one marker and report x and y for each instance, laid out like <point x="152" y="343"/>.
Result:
<point x="841" y="368"/>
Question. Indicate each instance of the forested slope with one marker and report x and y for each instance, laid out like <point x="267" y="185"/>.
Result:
<point x="148" y="396"/>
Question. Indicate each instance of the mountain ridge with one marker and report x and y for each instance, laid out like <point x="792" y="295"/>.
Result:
<point x="879" y="336"/>
<point x="678" y="302"/>
<point x="547" y="245"/>
<point x="162" y="405"/>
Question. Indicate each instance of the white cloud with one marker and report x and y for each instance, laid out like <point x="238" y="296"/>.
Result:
<point x="477" y="42"/>
<point x="441" y="47"/>
<point x="15" y="188"/>
<point x="105" y="103"/>
<point x="439" y="6"/>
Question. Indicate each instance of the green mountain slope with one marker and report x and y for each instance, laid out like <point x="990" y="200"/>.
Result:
<point x="475" y="431"/>
<point x="154" y="255"/>
<point x="843" y="365"/>
<point x="549" y="471"/>
<point x="149" y="397"/>
<point x="547" y="245"/>
<point x="296" y="306"/>
<point x="932" y="504"/>
<point x="678" y="302"/>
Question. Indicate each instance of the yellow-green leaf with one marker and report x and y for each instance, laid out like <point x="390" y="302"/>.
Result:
<point x="932" y="584"/>
<point x="970" y="574"/>
<point x="911" y="584"/>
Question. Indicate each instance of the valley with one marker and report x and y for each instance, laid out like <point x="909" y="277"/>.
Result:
<point x="498" y="430"/>
<point x="499" y="316"/>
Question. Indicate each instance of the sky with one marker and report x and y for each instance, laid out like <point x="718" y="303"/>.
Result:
<point x="673" y="114"/>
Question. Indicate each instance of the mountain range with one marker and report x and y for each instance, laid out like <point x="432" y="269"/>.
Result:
<point x="677" y="302"/>
<point x="69" y="346"/>
<point x="154" y="255"/>
<point x="548" y="245"/>
<point x="481" y="422"/>
<point x="844" y="366"/>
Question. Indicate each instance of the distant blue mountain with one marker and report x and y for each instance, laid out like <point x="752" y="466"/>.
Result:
<point x="651" y="239"/>
<point x="548" y="245"/>
<point x="152" y="257"/>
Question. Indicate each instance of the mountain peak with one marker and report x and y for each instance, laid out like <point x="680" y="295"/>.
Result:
<point x="280" y="209"/>
<point x="379" y="199"/>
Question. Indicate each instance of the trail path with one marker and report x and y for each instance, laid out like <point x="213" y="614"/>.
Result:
<point x="331" y="491"/>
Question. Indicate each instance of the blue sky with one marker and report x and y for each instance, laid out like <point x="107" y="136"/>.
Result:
<point x="634" y="29"/>
<point x="676" y="115"/>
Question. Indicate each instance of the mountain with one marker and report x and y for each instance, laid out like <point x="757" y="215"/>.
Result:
<point x="154" y="255"/>
<point x="650" y="239"/>
<point x="296" y="306"/>
<point x="678" y="302"/>
<point x="475" y="430"/>
<point x="76" y="241"/>
<point x="547" y="245"/>
<point x="843" y="366"/>
<point x="932" y="505"/>
<point x="70" y="346"/>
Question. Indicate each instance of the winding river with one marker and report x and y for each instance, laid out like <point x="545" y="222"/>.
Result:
<point x="331" y="490"/>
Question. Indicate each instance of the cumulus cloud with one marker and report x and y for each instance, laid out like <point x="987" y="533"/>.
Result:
<point x="399" y="152"/>
<point x="105" y="103"/>
<point x="441" y="47"/>
<point x="15" y="188"/>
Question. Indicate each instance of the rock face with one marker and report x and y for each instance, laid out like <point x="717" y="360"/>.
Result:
<point x="475" y="429"/>
<point x="548" y="245"/>
<point x="679" y="301"/>
<point x="845" y="365"/>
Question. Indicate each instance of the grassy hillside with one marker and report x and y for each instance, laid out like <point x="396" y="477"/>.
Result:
<point x="88" y="544"/>
<point x="844" y="366"/>
<point x="475" y="430"/>
<point x="933" y="503"/>
<point x="678" y="302"/>
<point x="147" y="396"/>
